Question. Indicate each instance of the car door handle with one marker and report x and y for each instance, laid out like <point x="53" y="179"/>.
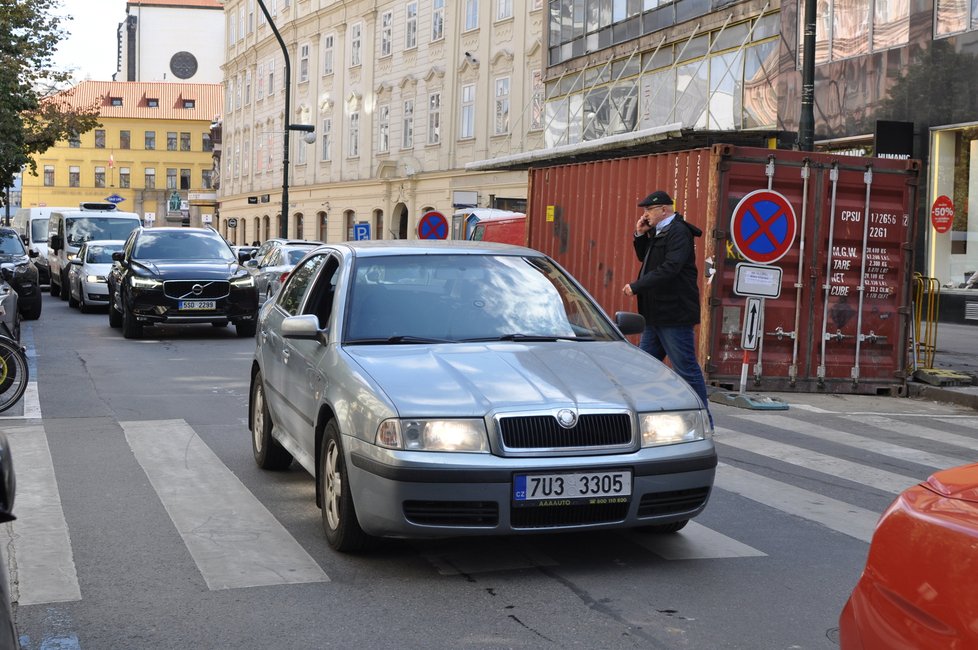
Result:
<point x="285" y="355"/>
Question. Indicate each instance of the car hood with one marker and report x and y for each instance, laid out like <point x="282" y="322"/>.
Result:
<point x="956" y="483"/>
<point x="7" y="257"/>
<point x="190" y="269"/>
<point x="472" y="379"/>
<point x="96" y="269"/>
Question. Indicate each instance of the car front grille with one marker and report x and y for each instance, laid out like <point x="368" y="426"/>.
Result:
<point x="657" y="504"/>
<point x="184" y="289"/>
<point x="569" y="515"/>
<point x="543" y="431"/>
<point x="452" y="513"/>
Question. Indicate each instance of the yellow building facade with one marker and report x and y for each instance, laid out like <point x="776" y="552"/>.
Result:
<point x="152" y="150"/>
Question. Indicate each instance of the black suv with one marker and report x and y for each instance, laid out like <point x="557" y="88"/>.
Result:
<point x="23" y="276"/>
<point x="179" y="276"/>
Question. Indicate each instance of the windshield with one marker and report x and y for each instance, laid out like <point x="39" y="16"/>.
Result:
<point x="100" y="254"/>
<point x="10" y="243"/>
<point x="468" y="297"/>
<point x="178" y="245"/>
<point x="39" y="230"/>
<point x="83" y="229"/>
<point x="296" y="254"/>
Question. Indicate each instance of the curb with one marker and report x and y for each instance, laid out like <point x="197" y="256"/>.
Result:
<point x="965" y="396"/>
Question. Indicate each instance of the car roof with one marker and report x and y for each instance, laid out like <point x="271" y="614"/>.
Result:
<point x="377" y="248"/>
<point x="105" y="242"/>
<point x="210" y="232"/>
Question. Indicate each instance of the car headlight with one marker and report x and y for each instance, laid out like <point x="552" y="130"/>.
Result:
<point x="138" y="282"/>
<point x="95" y="278"/>
<point x="243" y="282"/>
<point x="71" y="256"/>
<point x="433" y="435"/>
<point x="671" y="428"/>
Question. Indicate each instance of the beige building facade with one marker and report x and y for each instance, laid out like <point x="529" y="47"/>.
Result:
<point x="402" y="96"/>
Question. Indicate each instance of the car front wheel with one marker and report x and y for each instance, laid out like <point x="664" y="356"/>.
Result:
<point x="269" y="454"/>
<point x="32" y="310"/>
<point x="115" y="318"/>
<point x="72" y="302"/>
<point x="64" y="291"/>
<point x="245" y="328"/>
<point x="340" y="523"/>
<point x="131" y="329"/>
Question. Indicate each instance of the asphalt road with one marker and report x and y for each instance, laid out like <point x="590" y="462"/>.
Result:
<point x="144" y="523"/>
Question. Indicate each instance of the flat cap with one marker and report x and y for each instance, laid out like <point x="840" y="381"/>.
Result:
<point x="655" y="198"/>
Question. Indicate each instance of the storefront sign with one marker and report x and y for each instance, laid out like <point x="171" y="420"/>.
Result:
<point x="942" y="214"/>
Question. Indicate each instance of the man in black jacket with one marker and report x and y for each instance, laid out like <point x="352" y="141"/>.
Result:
<point x="667" y="289"/>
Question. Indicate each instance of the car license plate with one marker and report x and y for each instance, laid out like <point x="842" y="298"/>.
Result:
<point x="529" y="488"/>
<point x="197" y="304"/>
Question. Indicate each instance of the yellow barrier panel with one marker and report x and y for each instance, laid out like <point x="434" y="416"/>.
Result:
<point x="927" y="297"/>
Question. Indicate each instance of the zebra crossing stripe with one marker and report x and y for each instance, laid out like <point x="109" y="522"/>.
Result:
<point x="919" y="431"/>
<point x="41" y="566"/>
<point x="694" y="542"/>
<point x="837" y="515"/>
<point x="235" y="541"/>
<point x="838" y="467"/>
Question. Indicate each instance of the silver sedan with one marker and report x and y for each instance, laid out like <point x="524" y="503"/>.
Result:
<point x="469" y="389"/>
<point x="272" y="269"/>
<point x="87" y="273"/>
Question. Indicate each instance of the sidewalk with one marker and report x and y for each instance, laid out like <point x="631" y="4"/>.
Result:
<point x="957" y="350"/>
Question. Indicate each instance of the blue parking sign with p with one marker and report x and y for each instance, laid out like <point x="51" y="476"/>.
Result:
<point x="361" y="231"/>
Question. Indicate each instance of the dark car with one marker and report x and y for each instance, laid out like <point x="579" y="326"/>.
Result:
<point x="179" y="276"/>
<point x="24" y="277"/>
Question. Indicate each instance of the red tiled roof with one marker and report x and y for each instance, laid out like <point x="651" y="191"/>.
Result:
<point x="207" y="99"/>
<point x="205" y="4"/>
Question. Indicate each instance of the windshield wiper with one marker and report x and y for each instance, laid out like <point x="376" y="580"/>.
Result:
<point x="528" y="337"/>
<point x="400" y="338"/>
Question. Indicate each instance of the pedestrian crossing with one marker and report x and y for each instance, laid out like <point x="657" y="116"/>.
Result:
<point x="236" y="542"/>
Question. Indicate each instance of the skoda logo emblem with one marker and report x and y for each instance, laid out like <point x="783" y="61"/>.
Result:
<point x="567" y="418"/>
<point x="197" y="289"/>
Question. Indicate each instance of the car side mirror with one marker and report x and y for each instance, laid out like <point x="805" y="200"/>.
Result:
<point x="251" y="263"/>
<point x="629" y="323"/>
<point x="305" y="326"/>
<point x="118" y="256"/>
<point x="76" y="261"/>
<point x="56" y="243"/>
<point x="244" y="256"/>
<point x="7" y="272"/>
<point x="24" y="239"/>
<point x="7" y="481"/>
<point x="32" y="253"/>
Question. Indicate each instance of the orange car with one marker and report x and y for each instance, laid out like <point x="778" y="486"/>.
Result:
<point x="918" y="589"/>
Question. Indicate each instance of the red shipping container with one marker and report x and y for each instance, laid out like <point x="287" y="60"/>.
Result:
<point x="842" y="319"/>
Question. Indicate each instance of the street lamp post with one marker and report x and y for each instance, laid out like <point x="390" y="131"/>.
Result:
<point x="307" y="128"/>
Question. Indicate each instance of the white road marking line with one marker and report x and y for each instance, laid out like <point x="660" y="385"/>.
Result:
<point x="834" y="514"/>
<point x="235" y="541"/>
<point x="838" y="467"/>
<point x="694" y="542"/>
<point x="919" y="431"/>
<point x="40" y="560"/>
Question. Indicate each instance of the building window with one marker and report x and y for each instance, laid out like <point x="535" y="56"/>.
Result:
<point x="848" y="28"/>
<point x="124" y="139"/>
<point x="384" y="127"/>
<point x="386" y="33"/>
<point x="303" y="63"/>
<point x="171" y="140"/>
<point x="237" y="92"/>
<point x="100" y="177"/>
<point x="149" y="178"/>
<point x="325" y="138"/>
<point x="115" y="101"/>
<point x="190" y="103"/>
<point x="438" y="20"/>
<point x="537" y="101"/>
<point x="504" y="9"/>
<point x="229" y="96"/>
<point x="184" y="142"/>
<point x="434" y="118"/>
<point x="251" y="16"/>
<point x="407" y="125"/>
<point x="271" y="78"/>
<point x="328" y="54"/>
<point x="471" y="14"/>
<point x="356" y="41"/>
<point x="124" y="181"/>
<point x="184" y="179"/>
<point x="74" y="176"/>
<point x="206" y="144"/>
<point x="153" y="103"/>
<point x="354" y="134"/>
<point x="74" y="141"/>
<point x="300" y="152"/>
<point x="260" y="82"/>
<point x="205" y="179"/>
<point x="100" y="138"/>
<point x="411" y="29"/>
<point x="247" y="88"/>
<point x="150" y="140"/>
<point x="48" y="175"/>
<point x="467" y="125"/>
<point x="502" y="106"/>
<point x="171" y="179"/>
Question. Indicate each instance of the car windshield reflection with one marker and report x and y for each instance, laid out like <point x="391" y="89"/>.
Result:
<point x="465" y="298"/>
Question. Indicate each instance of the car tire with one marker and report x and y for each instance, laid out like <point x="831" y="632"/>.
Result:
<point x="63" y="287"/>
<point x="32" y="310"/>
<point x="71" y="299"/>
<point x="82" y="305"/>
<point x="664" y="529"/>
<point x="115" y="318"/>
<point x="269" y="453"/>
<point x="54" y="289"/>
<point x="130" y="328"/>
<point x="245" y="328"/>
<point x="343" y="532"/>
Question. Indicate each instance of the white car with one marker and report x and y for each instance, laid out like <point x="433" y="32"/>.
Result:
<point x="87" y="286"/>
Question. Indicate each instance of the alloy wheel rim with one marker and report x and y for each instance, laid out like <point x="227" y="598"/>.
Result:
<point x="258" y="417"/>
<point x="334" y="486"/>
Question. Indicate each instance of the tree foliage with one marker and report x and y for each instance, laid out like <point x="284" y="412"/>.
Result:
<point x="34" y="111"/>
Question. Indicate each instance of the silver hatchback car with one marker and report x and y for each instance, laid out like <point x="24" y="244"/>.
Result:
<point x="463" y="388"/>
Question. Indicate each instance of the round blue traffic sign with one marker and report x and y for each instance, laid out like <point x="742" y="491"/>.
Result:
<point x="433" y="225"/>
<point x="763" y="226"/>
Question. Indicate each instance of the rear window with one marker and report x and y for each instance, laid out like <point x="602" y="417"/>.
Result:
<point x="39" y="230"/>
<point x="83" y="229"/>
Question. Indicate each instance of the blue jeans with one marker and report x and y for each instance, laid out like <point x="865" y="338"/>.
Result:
<point x="676" y="342"/>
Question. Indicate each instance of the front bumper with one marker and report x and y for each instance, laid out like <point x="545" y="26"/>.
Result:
<point x="423" y="494"/>
<point x="153" y="307"/>
<point x="95" y="291"/>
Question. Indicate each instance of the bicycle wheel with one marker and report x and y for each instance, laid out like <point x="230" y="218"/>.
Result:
<point x="13" y="373"/>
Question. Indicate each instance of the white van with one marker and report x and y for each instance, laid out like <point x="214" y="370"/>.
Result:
<point x="69" y="228"/>
<point x="32" y="226"/>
